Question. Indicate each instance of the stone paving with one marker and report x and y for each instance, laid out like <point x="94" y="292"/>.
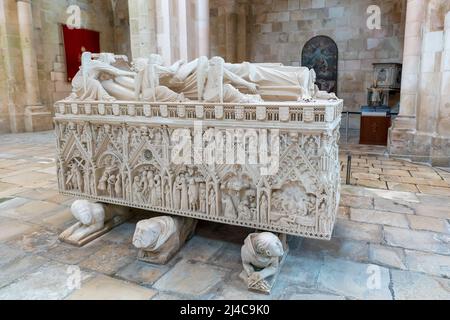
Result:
<point x="391" y="240"/>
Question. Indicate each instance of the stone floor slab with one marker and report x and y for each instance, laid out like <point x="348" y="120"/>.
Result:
<point x="191" y="278"/>
<point x="379" y="217"/>
<point x="417" y="240"/>
<point x="18" y="268"/>
<point x="52" y="281"/>
<point x="73" y="255"/>
<point x="110" y="258"/>
<point x="107" y="288"/>
<point x="387" y="256"/>
<point x="408" y="187"/>
<point x="337" y="248"/>
<point x="429" y="224"/>
<point x="302" y="268"/>
<point x="355" y="280"/>
<point x="357" y="231"/>
<point x="432" y="264"/>
<point x="417" y="286"/>
<point x="142" y="272"/>
<point x="439" y="191"/>
<point x="13" y="229"/>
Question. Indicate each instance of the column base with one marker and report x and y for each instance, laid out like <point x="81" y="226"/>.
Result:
<point x="37" y="118"/>
<point x="419" y="146"/>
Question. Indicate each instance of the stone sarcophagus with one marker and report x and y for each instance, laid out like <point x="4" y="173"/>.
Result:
<point x="223" y="156"/>
<point x="205" y="160"/>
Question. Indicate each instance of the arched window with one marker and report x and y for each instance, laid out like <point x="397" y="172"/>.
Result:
<point x="321" y="54"/>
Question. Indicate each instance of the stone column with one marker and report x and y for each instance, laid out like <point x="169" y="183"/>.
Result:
<point x="183" y="30"/>
<point x="37" y="118"/>
<point x="441" y="143"/>
<point x="241" y="50"/>
<point x="202" y="26"/>
<point x="142" y="27"/>
<point x="163" y="27"/>
<point x="230" y="29"/>
<point x="406" y="121"/>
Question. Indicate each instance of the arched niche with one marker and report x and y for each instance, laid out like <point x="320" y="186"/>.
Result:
<point x="321" y="54"/>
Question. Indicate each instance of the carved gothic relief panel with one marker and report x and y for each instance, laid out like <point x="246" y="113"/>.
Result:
<point x="132" y="165"/>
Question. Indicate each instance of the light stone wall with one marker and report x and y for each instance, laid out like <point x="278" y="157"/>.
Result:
<point x="278" y="29"/>
<point x="47" y="17"/>
<point x="231" y="28"/>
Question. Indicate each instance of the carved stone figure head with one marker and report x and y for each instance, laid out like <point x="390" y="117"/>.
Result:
<point x="156" y="59"/>
<point x="146" y="234"/>
<point x="83" y="211"/>
<point x="268" y="244"/>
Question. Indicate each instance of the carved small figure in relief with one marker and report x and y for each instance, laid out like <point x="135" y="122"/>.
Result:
<point x="92" y="182"/>
<point x="159" y="238"/>
<point x="261" y="255"/>
<point x="229" y="211"/>
<point x="137" y="190"/>
<point x="74" y="179"/>
<point x="202" y="198"/>
<point x="177" y="193"/>
<point x="167" y="202"/>
<point x="212" y="202"/>
<point x="118" y="186"/>
<point x="94" y="219"/>
<point x="157" y="193"/>
<point x="144" y="184"/>
<point x="263" y="206"/>
<point x="151" y="191"/>
<point x="184" y="204"/>
<point x="111" y="185"/>
<point x="244" y="212"/>
<point x="126" y="188"/>
<point x="193" y="194"/>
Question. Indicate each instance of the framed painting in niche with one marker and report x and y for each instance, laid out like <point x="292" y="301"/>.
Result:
<point x="321" y="54"/>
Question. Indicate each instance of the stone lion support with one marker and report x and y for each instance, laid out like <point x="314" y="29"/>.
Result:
<point x="160" y="238"/>
<point x="94" y="220"/>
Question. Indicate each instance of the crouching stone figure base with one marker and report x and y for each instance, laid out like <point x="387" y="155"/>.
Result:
<point x="262" y="255"/>
<point x="94" y="220"/>
<point x="160" y="238"/>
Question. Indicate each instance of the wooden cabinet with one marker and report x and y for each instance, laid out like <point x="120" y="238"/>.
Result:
<point x="374" y="129"/>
